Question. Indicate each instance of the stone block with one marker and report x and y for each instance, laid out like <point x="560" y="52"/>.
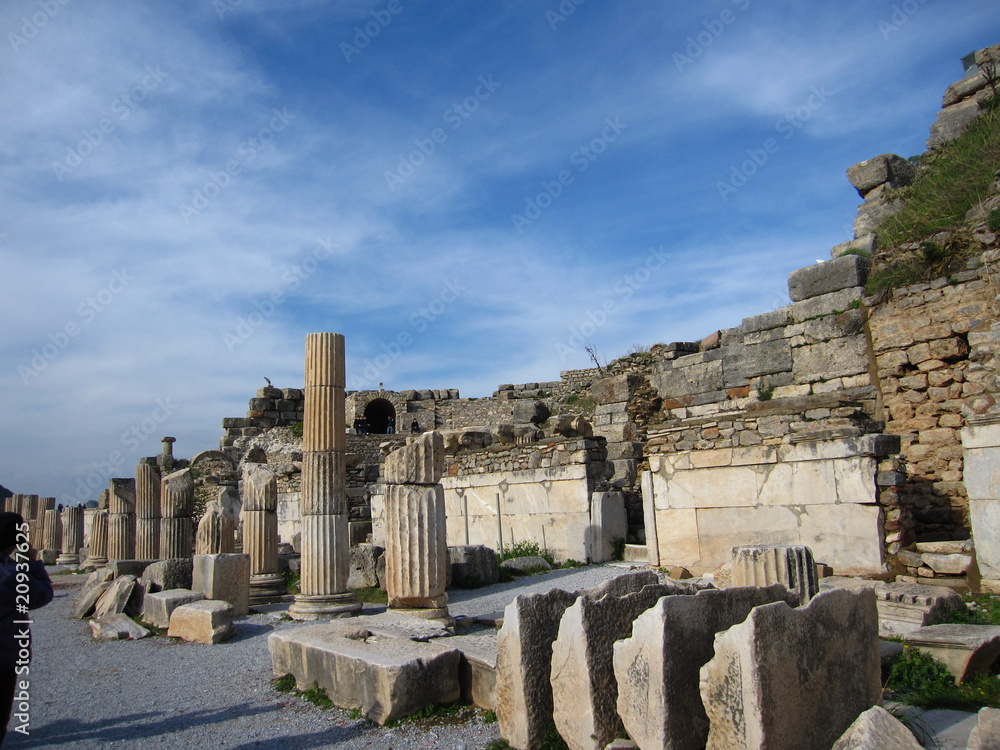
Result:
<point x="844" y="272"/>
<point x="952" y="121"/>
<point x="117" y="627"/>
<point x="157" y="606"/>
<point x="869" y="174"/>
<point x="114" y="599"/>
<point x="385" y="678"/>
<point x="766" y="321"/>
<point x="472" y="566"/>
<point x="766" y="358"/>
<point x="526" y="565"/>
<point x="530" y="412"/>
<point x="986" y="734"/>
<point x="609" y="521"/>
<point x="949" y="565"/>
<point x="674" y="382"/>
<point x="364" y="564"/>
<point x="759" y="694"/>
<point x="206" y="621"/>
<point x="966" y="650"/>
<point x="836" y="358"/>
<point x="86" y="600"/>
<point x="224" y="577"/>
<point x="614" y="390"/>
<point x="168" y="574"/>
<point x="584" y="689"/>
<point x="419" y="462"/>
<point x="865" y="244"/>
<point x="877" y="729"/>
<point x="762" y="565"/>
<point x="128" y="567"/>
<point x="657" y="667"/>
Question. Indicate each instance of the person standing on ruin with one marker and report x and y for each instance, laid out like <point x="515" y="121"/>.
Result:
<point x="414" y="427"/>
<point x="24" y="585"/>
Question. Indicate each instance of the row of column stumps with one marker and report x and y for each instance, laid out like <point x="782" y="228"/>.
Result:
<point x="325" y="553"/>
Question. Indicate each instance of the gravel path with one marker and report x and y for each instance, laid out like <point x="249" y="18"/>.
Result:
<point x="159" y="693"/>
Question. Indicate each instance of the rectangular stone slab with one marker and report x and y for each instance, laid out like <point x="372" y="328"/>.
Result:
<point x="157" y="606"/>
<point x="385" y="678"/>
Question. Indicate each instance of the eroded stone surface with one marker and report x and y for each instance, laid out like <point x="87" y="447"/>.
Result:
<point x="877" y="729"/>
<point x="114" y="599"/>
<point x="207" y="621"/>
<point x="224" y="577"/>
<point x="966" y="650"/>
<point x="159" y="605"/>
<point x="419" y="462"/>
<point x="986" y="734"/>
<point x="117" y="627"/>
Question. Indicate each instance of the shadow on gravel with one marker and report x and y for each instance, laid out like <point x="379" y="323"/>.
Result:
<point x="133" y="727"/>
<point x="326" y="738"/>
<point x="248" y="630"/>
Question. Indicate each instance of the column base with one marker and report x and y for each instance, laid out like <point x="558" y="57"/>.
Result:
<point x="268" y="588"/>
<point x="68" y="560"/>
<point x="324" y="606"/>
<point x="425" y="613"/>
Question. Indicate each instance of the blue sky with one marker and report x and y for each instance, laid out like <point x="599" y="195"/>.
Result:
<point x="470" y="192"/>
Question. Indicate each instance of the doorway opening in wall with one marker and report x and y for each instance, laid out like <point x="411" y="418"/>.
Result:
<point x="380" y="414"/>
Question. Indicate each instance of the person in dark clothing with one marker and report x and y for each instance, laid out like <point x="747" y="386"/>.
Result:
<point x="24" y="585"/>
<point x="414" y="427"/>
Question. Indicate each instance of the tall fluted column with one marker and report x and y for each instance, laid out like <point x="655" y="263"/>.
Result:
<point x="29" y="513"/>
<point x="17" y="503"/>
<point x="325" y="540"/>
<point x="72" y="535"/>
<point x="38" y="533"/>
<point x="260" y="534"/>
<point x="176" y="526"/>
<point x="99" y="539"/>
<point x="416" y="549"/>
<point x="121" y="519"/>
<point x="147" y="512"/>
<point x="53" y="531"/>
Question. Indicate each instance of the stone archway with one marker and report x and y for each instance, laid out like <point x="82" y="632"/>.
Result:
<point x="378" y="413"/>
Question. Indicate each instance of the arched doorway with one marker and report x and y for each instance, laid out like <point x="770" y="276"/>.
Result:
<point x="378" y="414"/>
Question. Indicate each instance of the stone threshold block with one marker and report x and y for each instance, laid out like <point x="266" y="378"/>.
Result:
<point x="385" y="678"/>
<point x="966" y="650"/>
<point x="208" y="621"/>
<point x="158" y="606"/>
<point x="117" y="627"/>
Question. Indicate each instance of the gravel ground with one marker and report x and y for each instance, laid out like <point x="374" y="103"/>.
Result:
<point x="159" y="693"/>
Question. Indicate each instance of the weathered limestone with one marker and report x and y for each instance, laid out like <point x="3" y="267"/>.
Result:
<point x="72" y="535"/>
<point x="877" y="729"/>
<point x="121" y="519"/>
<point x="966" y="650"/>
<point x="762" y="565"/>
<point x="216" y="532"/>
<point x="584" y="689"/>
<point x="844" y="272"/>
<point x="157" y="606"/>
<point x="472" y="566"/>
<point x="364" y="566"/>
<point x="325" y="541"/>
<point x="176" y="526"/>
<point x="30" y="511"/>
<point x="416" y="540"/>
<point x="207" y="621"/>
<point x="113" y="601"/>
<point x="148" y="511"/>
<point x="384" y="677"/>
<point x="903" y="608"/>
<point x="225" y="577"/>
<point x="657" y="668"/>
<point x="86" y="600"/>
<point x="793" y="679"/>
<point x="98" y="552"/>
<point x="260" y="534"/>
<point x="168" y="574"/>
<point x="117" y="627"/>
<point x="45" y="504"/>
<point x="869" y="174"/>
<point x="53" y="531"/>
<point x="981" y="443"/>
<point x="524" y="657"/>
<point x="986" y="734"/>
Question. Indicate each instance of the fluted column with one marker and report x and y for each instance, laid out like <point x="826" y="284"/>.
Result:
<point x="325" y="539"/>
<point x="29" y="513"/>
<point x="17" y="504"/>
<point x="72" y="535"/>
<point x="99" y="539"/>
<point x="45" y="504"/>
<point x="147" y="512"/>
<point x="416" y="549"/>
<point x="53" y="531"/>
<point x="176" y="526"/>
<point x="260" y="534"/>
<point x="121" y="519"/>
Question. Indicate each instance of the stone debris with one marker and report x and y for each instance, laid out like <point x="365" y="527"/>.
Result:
<point x="525" y="565"/>
<point x="223" y="577"/>
<point x="419" y="462"/>
<point x="117" y="627"/>
<point x="86" y="600"/>
<point x="793" y="679"/>
<point x="763" y="565"/>
<point x="657" y="667"/>
<point x="384" y="678"/>
<point x="364" y="566"/>
<point x="986" y="734"/>
<point x="877" y="729"/>
<point x="208" y="621"/>
<point x="114" y="599"/>
<point x="473" y="566"/>
<point x="867" y="175"/>
<point x="903" y="607"/>
<point x="158" y="606"/>
<point x="966" y="650"/>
